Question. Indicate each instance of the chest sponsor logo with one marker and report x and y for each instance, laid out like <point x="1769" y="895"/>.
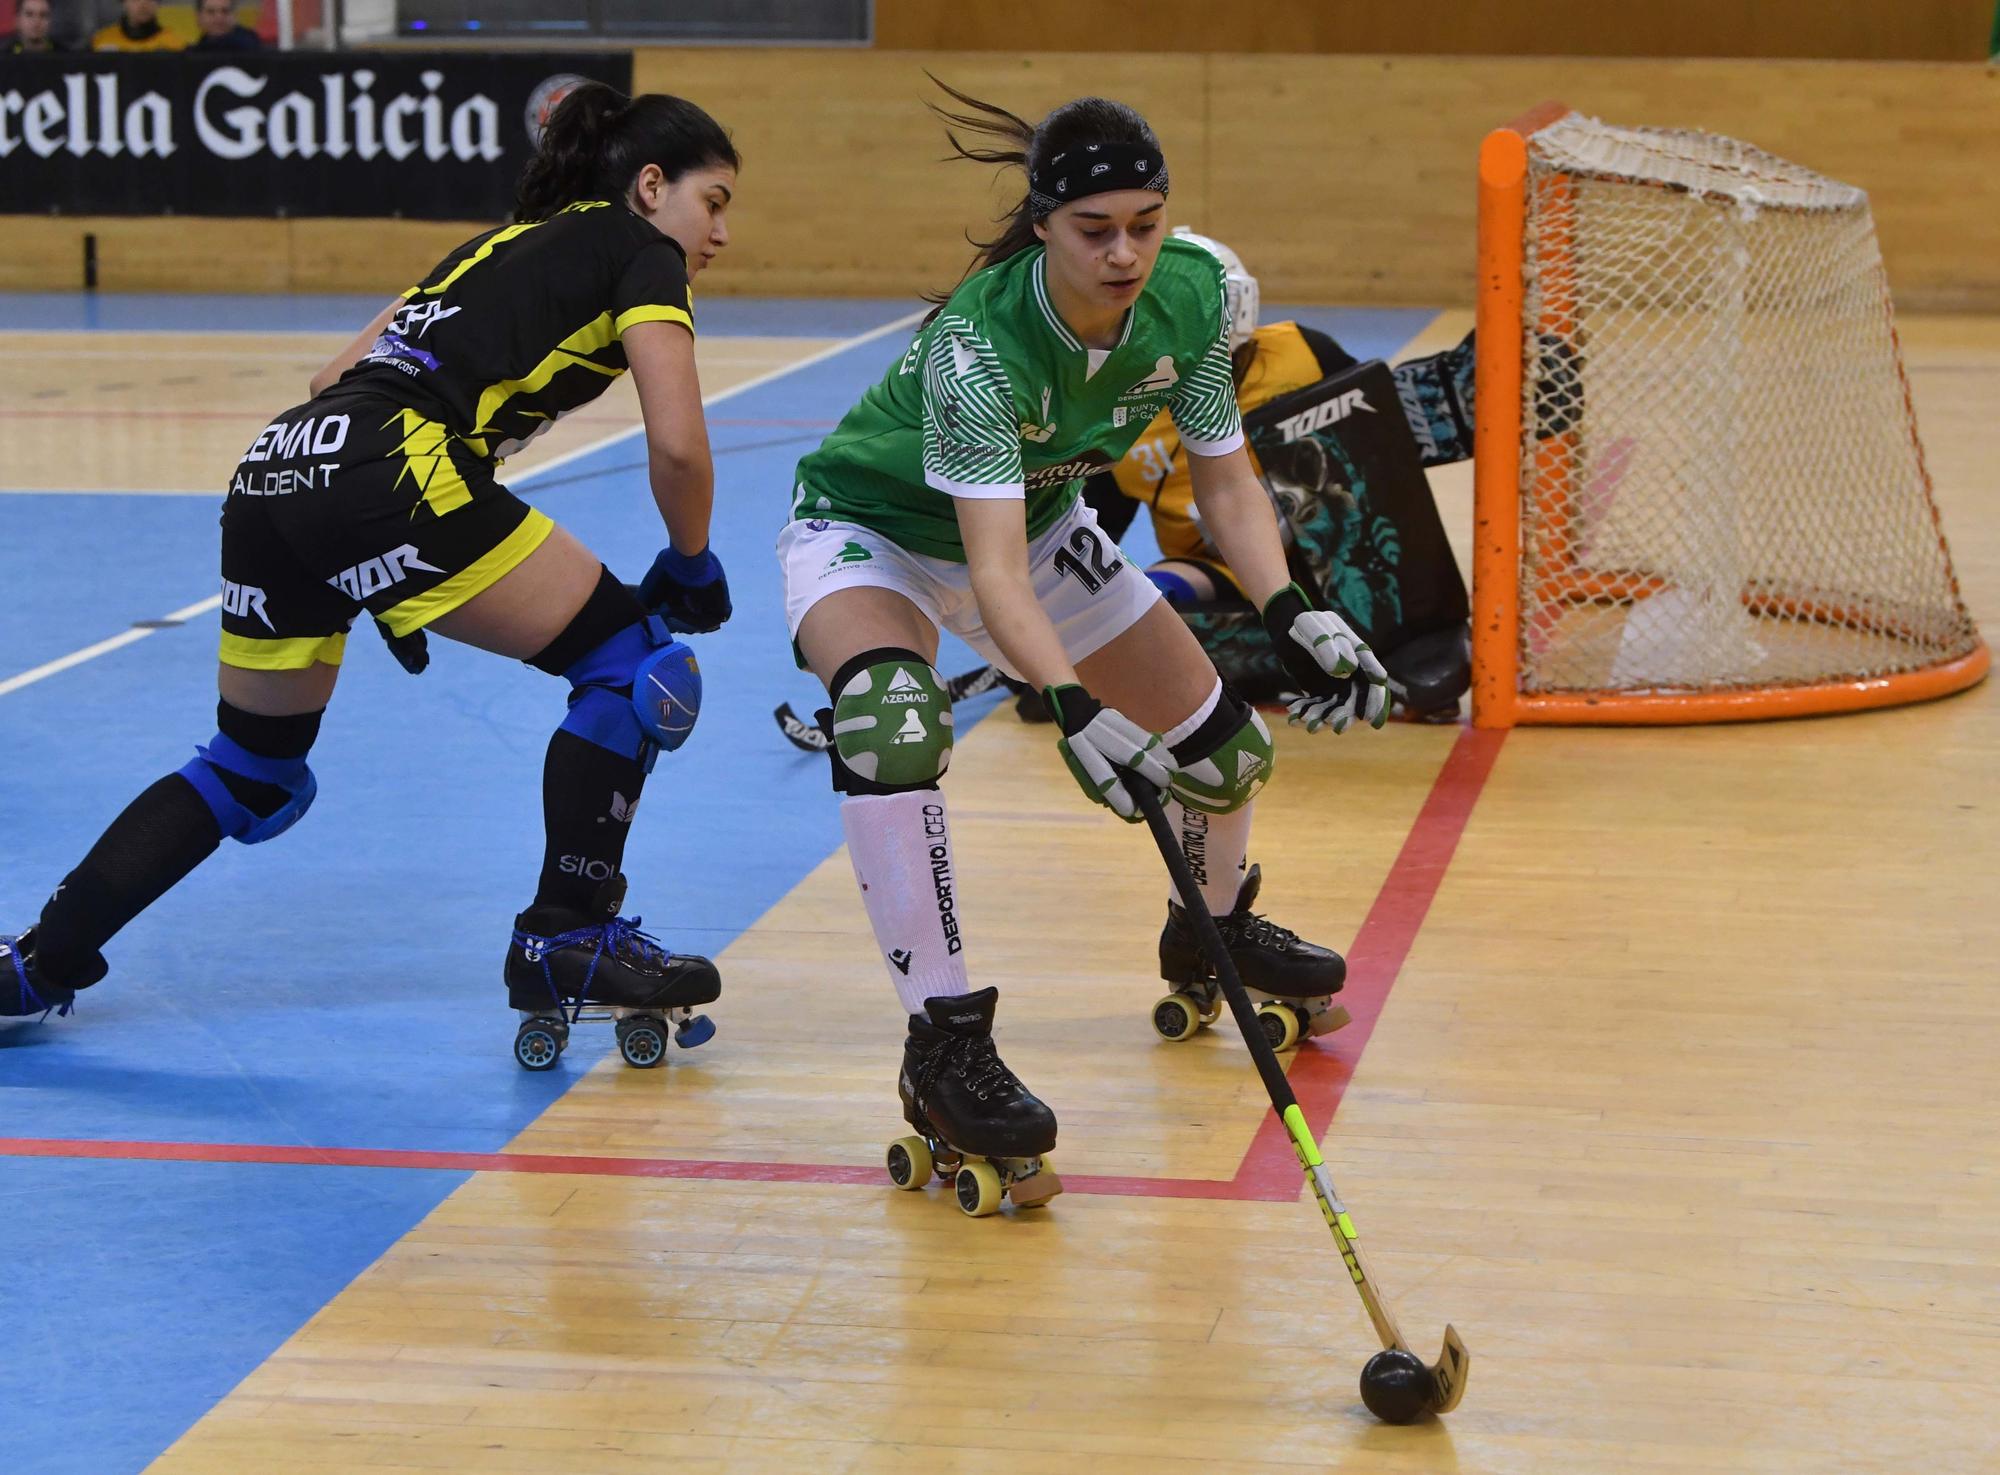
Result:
<point x="1322" y="415"/>
<point x="1163" y="378"/>
<point x="1040" y="432"/>
<point x="377" y="574"/>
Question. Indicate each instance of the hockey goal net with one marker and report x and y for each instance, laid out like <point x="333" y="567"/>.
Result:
<point x="1700" y="495"/>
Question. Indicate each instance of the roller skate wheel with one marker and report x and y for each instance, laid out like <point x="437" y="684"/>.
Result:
<point x="1212" y="1011"/>
<point x="1280" y="1023"/>
<point x="538" y="1044"/>
<point x="978" y="1189"/>
<point x="696" y="1031"/>
<point x="642" y="1041"/>
<point x="1176" y="1017"/>
<point x="910" y="1163"/>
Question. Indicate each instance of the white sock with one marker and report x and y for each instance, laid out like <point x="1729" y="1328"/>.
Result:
<point x="1217" y="847"/>
<point x="901" y="848"/>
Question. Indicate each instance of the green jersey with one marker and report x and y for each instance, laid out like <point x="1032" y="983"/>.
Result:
<point x="996" y="397"/>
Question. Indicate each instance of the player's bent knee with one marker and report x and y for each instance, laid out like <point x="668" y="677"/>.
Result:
<point x="1226" y="760"/>
<point x="892" y="724"/>
<point x="253" y="797"/>
<point x="638" y="691"/>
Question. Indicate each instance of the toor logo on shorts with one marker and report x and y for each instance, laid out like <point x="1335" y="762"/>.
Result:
<point x="377" y="574"/>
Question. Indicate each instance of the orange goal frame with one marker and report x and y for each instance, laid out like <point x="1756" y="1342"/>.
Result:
<point x="1497" y="700"/>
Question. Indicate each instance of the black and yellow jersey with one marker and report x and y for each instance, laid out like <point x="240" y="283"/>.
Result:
<point x="1155" y="470"/>
<point x="523" y="324"/>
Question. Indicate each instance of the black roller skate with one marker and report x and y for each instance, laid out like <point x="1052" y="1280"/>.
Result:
<point x="23" y="991"/>
<point x="565" y="966"/>
<point x="1291" y="981"/>
<point x="980" y="1128"/>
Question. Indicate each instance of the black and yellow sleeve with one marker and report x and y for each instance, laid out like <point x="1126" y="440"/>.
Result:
<point x="653" y="289"/>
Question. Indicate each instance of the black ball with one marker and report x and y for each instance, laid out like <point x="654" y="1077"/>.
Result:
<point x="1396" y="1386"/>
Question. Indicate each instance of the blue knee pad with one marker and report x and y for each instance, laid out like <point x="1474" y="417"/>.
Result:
<point x="637" y="694"/>
<point x="238" y="821"/>
<point x="1176" y="590"/>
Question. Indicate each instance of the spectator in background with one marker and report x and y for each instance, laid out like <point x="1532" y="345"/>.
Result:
<point x="32" y="34"/>
<point x="138" y="29"/>
<point x="219" y="31"/>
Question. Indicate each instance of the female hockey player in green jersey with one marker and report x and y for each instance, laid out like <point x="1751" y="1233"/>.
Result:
<point x="380" y="494"/>
<point x="948" y="498"/>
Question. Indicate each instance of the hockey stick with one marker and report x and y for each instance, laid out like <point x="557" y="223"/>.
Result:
<point x="808" y="738"/>
<point x="1448" y="1374"/>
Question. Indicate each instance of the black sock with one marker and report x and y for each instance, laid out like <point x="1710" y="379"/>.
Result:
<point x="589" y="795"/>
<point x="161" y="836"/>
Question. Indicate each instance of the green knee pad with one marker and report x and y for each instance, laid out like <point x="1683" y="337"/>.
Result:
<point x="1230" y="777"/>
<point x="892" y="720"/>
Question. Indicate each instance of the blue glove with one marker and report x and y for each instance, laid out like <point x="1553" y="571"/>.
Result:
<point x="687" y="591"/>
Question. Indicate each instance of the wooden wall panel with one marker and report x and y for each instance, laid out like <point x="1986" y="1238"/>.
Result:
<point x="40" y="253"/>
<point x="389" y="255"/>
<point x="843" y="190"/>
<point x="1350" y="179"/>
<point x="1856" y="30"/>
<point x="1340" y="179"/>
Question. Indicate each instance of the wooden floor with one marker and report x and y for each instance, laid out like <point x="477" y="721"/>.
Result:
<point x="1682" y="1108"/>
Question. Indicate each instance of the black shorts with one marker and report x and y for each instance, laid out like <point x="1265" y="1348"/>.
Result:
<point x="352" y="502"/>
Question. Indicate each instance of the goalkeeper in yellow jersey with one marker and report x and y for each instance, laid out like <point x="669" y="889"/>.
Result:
<point x="1341" y="446"/>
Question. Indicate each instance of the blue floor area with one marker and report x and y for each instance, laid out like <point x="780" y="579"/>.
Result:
<point x="340" y="986"/>
<point x="156" y="1287"/>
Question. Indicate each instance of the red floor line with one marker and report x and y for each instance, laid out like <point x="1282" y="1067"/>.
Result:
<point x="1319" y="1072"/>
<point x="1322" y="1068"/>
<point x="532" y="1162"/>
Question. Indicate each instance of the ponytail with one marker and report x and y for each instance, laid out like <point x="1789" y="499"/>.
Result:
<point x="597" y="140"/>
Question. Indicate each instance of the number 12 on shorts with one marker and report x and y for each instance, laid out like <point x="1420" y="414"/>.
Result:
<point x="1088" y="564"/>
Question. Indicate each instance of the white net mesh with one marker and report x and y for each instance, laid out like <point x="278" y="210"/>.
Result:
<point x="1721" y="480"/>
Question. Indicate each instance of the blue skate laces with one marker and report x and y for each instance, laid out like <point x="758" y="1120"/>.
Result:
<point x="620" y="936"/>
<point x="28" y="996"/>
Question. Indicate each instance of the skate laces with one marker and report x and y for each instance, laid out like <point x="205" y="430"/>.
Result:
<point x="620" y="937"/>
<point x="1258" y="930"/>
<point x="29" y="996"/>
<point x="975" y="1061"/>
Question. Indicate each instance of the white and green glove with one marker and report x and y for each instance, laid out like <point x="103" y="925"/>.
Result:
<point x="1334" y="667"/>
<point x="1094" y="737"/>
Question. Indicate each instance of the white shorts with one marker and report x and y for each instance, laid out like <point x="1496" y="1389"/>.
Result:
<point x="1090" y="591"/>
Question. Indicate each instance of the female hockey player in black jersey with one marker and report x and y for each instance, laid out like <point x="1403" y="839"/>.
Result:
<point x="379" y="494"/>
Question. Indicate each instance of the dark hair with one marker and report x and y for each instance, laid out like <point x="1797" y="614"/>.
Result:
<point x="597" y="140"/>
<point x="1029" y="146"/>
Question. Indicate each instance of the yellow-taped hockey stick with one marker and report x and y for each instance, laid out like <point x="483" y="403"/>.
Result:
<point x="1448" y="1374"/>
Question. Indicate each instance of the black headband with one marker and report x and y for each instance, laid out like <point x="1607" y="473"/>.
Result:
<point x="1094" y="169"/>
